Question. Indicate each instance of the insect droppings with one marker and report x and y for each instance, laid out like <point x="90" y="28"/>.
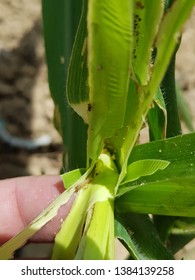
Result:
<point x="89" y="107"/>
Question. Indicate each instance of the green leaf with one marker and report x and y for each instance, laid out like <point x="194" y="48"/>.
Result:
<point x="110" y="28"/>
<point x="173" y="126"/>
<point x="168" y="38"/>
<point x="60" y="22"/>
<point x="179" y="151"/>
<point x="154" y="194"/>
<point x="184" y="109"/>
<point x="183" y="226"/>
<point x="122" y="234"/>
<point x="178" y="242"/>
<point x="147" y="17"/>
<point x="157" y="118"/>
<point x="71" y="177"/>
<point x="141" y="239"/>
<point x="138" y="100"/>
<point x="165" y="43"/>
<point x="94" y="199"/>
<point x="99" y="239"/>
<point x="172" y="197"/>
<point x="67" y="239"/>
<point x="98" y="236"/>
<point x="77" y="79"/>
<point x="142" y="168"/>
<point x="169" y="93"/>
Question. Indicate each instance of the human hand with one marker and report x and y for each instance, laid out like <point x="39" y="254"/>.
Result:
<point x="24" y="198"/>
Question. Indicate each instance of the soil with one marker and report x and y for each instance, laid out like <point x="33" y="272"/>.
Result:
<point x="26" y="108"/>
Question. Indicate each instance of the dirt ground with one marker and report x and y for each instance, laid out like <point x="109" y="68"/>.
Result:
<point x="25" y="104"/>
<point x="26" y="109"/>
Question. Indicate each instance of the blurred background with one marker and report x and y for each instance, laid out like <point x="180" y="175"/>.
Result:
<point x="29" y="143"/>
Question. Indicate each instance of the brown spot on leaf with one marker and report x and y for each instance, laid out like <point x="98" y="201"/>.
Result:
<point x="89" y="107"/>
<point x="139" y="5"/>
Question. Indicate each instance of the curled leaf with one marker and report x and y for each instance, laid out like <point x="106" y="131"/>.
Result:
<point x="144" y="167"/>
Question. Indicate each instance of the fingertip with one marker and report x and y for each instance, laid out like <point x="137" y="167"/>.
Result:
<point x="24" y="199"/>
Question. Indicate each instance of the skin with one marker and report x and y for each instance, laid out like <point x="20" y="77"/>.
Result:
<point x="22" y="199"/>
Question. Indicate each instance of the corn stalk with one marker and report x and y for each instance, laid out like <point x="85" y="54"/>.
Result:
<point x="120" y="55"/>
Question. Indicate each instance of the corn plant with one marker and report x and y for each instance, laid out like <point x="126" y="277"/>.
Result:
<point x="119" y="75"/>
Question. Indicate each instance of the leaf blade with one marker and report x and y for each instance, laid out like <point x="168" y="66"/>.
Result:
<point x="141" y="239"/>
<point x="144" y="168"/>
<point x="157" y="198"/>
<point x="109" y="44"/>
